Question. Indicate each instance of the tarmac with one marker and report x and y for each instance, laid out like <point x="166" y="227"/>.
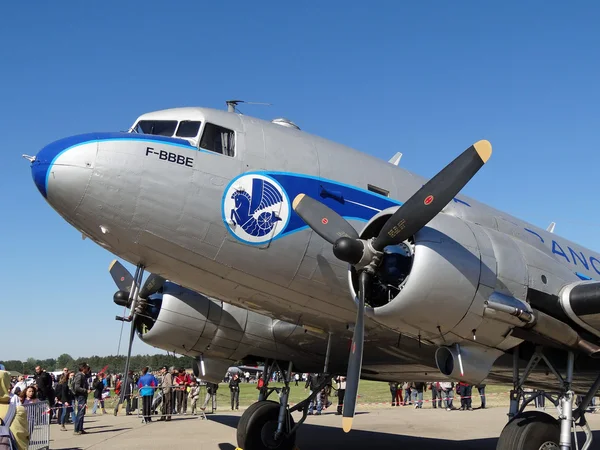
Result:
<point x="377" y="428"/>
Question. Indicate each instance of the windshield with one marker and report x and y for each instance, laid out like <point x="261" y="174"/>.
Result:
<point x="157" y="127"/>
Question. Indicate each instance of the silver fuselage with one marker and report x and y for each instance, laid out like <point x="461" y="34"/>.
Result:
<point x="181" y="211"/>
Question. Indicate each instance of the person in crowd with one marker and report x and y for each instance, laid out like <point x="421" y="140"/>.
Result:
<point x="44" y="383"/>
<point x="147" y="384"/>
<point x="296" y="378"/>
<point x="74" y="397"/>
<point x="12" y="415"/>
<point x="128" y="386"/>
<point x="407" y="393"/>
<point x="182" y="381"/>
<point x="167" y="387"/>
<point x="341" y="392"/>
<point x="465" y="390"/>
<point x="436" y="394"/>
<point x="481" y="390"/>
<point x="313" y="382"/>
<point x="65" y="397"/>
<point x="211" y="391"/>
<point x="157" y="401"/>
<point x="174" y="373"/>
<point x="194" y="395"/>
<point x="234" y="388"/>
<point x="29" y="395"/>
<point x="81" y="388"/>
<point x="448" y="394"/>
<point x="393" y="391"/>
<point x="540" y="401"/>
<point x="98" y="387"/>
<point x="19" y="386"/>
<point x="418" y="388"/>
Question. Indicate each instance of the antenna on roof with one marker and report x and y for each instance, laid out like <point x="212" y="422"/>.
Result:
<point x="232" y="105"/>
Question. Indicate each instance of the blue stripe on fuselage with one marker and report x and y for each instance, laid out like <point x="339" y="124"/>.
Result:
<point x="349" y="201"/>
<point x="44" y="160"/>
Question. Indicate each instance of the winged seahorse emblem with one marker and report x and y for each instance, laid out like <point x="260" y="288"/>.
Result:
<point x="252" y="212"/>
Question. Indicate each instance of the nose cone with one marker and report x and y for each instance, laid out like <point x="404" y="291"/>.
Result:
<point x="62" y="169"/>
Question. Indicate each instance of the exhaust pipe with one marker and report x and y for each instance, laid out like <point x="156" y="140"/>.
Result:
<point x="470" y="363"/>
<point x="516" y="312"/>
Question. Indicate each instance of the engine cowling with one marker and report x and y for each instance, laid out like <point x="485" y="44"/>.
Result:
<point x="186" y="322"/>
<point x="430" y="280"/>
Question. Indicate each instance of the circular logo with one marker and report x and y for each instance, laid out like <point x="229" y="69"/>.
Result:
<point x="255" y="208"/>
<point x="428" y="200"/>
<point x="324" y="220"/>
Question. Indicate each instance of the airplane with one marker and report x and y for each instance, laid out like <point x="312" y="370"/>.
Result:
<point x="267" y="244"/>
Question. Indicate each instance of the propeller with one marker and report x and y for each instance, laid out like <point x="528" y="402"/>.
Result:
<point x="365" y="255"/>
<point x="136" y="301"/>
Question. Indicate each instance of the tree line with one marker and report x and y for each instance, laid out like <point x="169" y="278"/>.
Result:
<point x="116" y="364"/>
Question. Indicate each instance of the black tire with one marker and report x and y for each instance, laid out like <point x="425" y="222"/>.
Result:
<point x="257" y="425"/>
<point x="532" y="430"/>
<point x="243" y="423"/>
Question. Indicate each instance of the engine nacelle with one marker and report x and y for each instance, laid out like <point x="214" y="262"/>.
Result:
<point x="581" y="302"/>
<point x="186" y="322"/>
<point x="436" y="282"/>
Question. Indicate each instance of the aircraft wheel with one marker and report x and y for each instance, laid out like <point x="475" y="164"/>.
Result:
<point x="257" y="426"/>
<point x="532" y="430"/>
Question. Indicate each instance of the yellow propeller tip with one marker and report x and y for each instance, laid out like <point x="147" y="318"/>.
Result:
<point x="483" y="149"/>
<point x="297" y="201"/>
<point x="347" y="424"/>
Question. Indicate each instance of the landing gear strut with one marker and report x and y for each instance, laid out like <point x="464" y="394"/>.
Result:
<point x="535" y="430"/>
<point x="268" y="425"/>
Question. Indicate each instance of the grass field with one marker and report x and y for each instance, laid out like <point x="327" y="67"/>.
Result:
<point x="371" y="394"/>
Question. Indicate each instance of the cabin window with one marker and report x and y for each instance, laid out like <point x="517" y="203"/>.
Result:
<point x="156" y="127"/>
<point x="218" y="139"/>
<point x="188" y="128"/>
<point x="378" y="190"/>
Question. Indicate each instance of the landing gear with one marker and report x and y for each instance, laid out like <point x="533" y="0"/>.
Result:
<point x="531" y="430"/>
<point x="269" y="425"/>
<point x="258" y="426"/>
<point x="535" y="430"/>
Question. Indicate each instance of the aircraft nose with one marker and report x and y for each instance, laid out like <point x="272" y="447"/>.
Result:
<point x="62" y="170"/>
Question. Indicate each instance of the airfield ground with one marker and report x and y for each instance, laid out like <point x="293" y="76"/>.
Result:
<point x="375" y="428"/>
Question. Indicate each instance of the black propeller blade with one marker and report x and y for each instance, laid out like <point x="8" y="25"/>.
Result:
<point x="151" y="286"/>
<point x="121" y="276"/>
<point x="364" y="255"/>
<point x="323" y="220"/>
<point x="356" y="355"/>
<point x="428" y="201"/>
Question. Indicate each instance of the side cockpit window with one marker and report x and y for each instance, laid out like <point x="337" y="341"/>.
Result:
<point x="188" y="128"/>
<point x="156" y="127"/>
<point x="218" y="139"/>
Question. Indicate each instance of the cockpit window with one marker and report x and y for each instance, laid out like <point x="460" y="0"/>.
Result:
<point x="188" y="128"/>
<point x="218" y="139"/>
<point x="156" y="127"/>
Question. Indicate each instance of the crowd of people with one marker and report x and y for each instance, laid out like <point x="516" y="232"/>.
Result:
<point x="173" y="391"/>
<point x="442" y="394"/>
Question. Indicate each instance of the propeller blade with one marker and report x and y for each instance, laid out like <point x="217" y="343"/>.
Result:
<point x="428" y="201"/>
<point x="322" y="220"/>
<point x="151" y="286"/>
<point x="126" y="373"/>
<point x="356" y="355"/>
<point x="121" y="276"/>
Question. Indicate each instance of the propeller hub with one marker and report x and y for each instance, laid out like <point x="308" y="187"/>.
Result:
<point x="121" y="298"/>
<point x="349" y="250"/>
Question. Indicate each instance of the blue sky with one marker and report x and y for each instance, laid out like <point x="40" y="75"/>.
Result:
<point x="424" y="78"/>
